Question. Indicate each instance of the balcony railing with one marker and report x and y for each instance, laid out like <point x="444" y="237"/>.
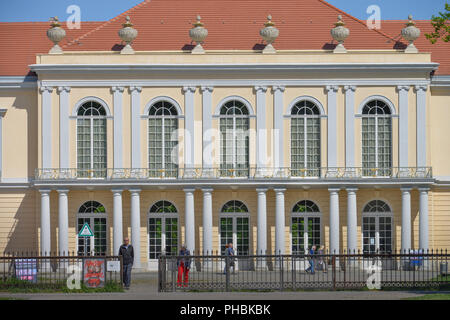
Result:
<point x="198" y="173"/>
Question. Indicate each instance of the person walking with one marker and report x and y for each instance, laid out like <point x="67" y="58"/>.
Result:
<point x="311" y="253"/>
<point x="127" y="252"/>
<point x="229" y="253"/>
<point x="322" y="263"/>
<point x="183" y="264"/>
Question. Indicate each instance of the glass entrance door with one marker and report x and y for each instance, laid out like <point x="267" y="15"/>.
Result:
<point x="96" y="244"/>
<point x="237" y="231"/>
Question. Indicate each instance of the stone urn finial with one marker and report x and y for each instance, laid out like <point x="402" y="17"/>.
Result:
<point x="411" y="33"/>
<point x="128" y="34"/>
<point x="269" y="33"/>
<point x="198" y="34"/>
<point x="56" y="34"/>
<point x="340" y="33"/>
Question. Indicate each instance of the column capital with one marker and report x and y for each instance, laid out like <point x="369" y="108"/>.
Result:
<point x="331" y="88"/>
<point x="262" y="190"/>
<point x="206" y="88"/>
<point x="189" y="190"/>
<point x="64" y="89"/>
<point x="63" y="191"/>
<point x="423" y="189"/>
<point x="136" y="190"/>
<point x="45" y="191"/>
<point x="45" y="89"/>
<point x="278" y="88"/>
<point x="403" y="88"/>
<point x="351" y="88"/>
<point x="207" y="190"/>
<point x="334" y="190"/>
<point x="136" y="89"/>
<point x="279" y="190"/>
<point x="419" y="88"/>
<point x="115" y="89"/>
<point x="406" y="189"/>
<point x="117" y="191"/>
<point x="262" y="89"/>
<point x="190" y="89"/>
<point x="351" y="190"/>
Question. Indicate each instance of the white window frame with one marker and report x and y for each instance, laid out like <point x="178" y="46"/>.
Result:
<point x="377" y="215"/>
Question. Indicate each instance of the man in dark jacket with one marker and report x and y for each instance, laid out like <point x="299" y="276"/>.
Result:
<point x="127" y="253"/>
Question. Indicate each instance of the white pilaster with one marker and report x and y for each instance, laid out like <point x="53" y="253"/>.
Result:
<point x="207" y="126"/>
<point x="64" y="112"/>
<point x="350" y="126"/>
<point x="189" y="219"/>
<point x="189" y="123"/>
<point x="278" y="129"/>
<point x="45" y="222"/>
<point x="403" y="126"/>
<point x="2" y="114"/>
<point x="118" y="126"/>
<point x="63" y="223"/>
<point x="332" y="125"/>
<point x="207" y="221"/>
<point x="423" y="218"/>
<point x="46" y="122"/>
<point x="135" y="127"/>
<point x="279" y="221"/>
<point x="334" y="220"/>
<point x="261" y="127"/>
<point x="352" y="244"/>
<point x="261" y="244"/>
<point x="406" y="218"/>
<point x="117" y="220"/>
<point x="136" y="225"/>
<point x="421" y="96"/>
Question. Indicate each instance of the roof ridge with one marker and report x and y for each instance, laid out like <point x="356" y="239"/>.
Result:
<point x="356" y="19"/>
<point x="139" y="5"/>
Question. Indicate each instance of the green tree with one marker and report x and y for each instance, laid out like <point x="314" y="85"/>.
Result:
<point x="441" y="25"/>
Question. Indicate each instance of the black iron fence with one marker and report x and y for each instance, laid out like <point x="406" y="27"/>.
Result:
<point x="59" y="272"/>
<point x="300" y="272"/>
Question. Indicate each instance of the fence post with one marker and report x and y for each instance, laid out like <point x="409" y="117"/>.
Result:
<point x="227" y="274"/>
<point x="281" y="273"/>
<point x="333" y="263"/>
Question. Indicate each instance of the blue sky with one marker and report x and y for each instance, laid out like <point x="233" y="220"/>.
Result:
<point x="101" y="10"/>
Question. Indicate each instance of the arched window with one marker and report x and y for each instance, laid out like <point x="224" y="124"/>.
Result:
<point x="234" y="140"/>
<point x="235" y="227"/>
<point x="162" y="229"/>
<point x="305" y="226"/>
<point x="94" y="214"/>
<point x="305" y="139"/>
<point x="91" y="140"/>
<point x="376" y="139"/>
<point x="377" y="227"/>
<point x="162" y="139"/>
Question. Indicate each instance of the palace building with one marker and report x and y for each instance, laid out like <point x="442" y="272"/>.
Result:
<point x="275" y="125"/>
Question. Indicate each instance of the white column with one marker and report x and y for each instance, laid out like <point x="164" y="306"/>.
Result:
<point x="118" y="126"/>
<point x="261" y="127"/>
<point x="406" y="218"/>
<point x="45" y="222"/>
<point x="207" y="127"/>
<point x="421" y="96"/>
<point x="46" y="122"/>
<point x="189" y="219"/>
<point x="135" y="127"/>
<point x="261" y="243"/>
<point x="189" y="124"/>
<point x="350" y="126"/>
<point x="332" y="125"/>
<point x="63" y="223"/>
<point x="403" y="126"/>
<point x="423" y="218"/>
<point x="352" y="244"/>
<point x="278" y="129"/>
<point x="136" y="225"/>
<point x="334" y="220"/>
<point x="64" y="113"/>
<point x="117" y="220"/>
<point x="207" y="221"/>
<point x="279" y="221"/>
<point x="2" y="114"/>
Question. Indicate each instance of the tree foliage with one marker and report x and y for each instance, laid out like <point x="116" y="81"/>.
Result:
<point x="441" y="25"/>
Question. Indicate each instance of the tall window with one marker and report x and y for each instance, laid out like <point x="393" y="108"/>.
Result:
<point x="235" y="227"/>
<point x="162" y="229"/>
<point x="305" y="139"/>
<point x="162" y="140"/>
<point x="234" y="140"/>
<point x="306" y="226"/>
<point x="377" y="227"/>
<point x="94" y="214"/>
<point x="91" y="140"/>
<point x="376" y="139"/>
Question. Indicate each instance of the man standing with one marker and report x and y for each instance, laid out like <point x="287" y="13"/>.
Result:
<point x="311" y="258"/>
<point x="183" y="264"/>
<point x="229" y="252"/>
<point x="127" y="253"/>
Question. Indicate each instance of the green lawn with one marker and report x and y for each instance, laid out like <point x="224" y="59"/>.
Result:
<point x="432" y="296"/>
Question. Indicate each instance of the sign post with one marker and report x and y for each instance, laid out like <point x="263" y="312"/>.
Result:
<point x="85" y="232"/>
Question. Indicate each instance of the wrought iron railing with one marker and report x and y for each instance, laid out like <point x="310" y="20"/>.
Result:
<point x="294" y="272"/>
<point x="234" y="173"/>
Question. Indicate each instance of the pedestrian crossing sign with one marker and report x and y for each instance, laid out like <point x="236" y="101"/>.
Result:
<point x="85" y="231"/>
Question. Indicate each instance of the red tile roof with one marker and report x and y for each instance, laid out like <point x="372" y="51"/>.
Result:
<point x="232" y="25"/>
